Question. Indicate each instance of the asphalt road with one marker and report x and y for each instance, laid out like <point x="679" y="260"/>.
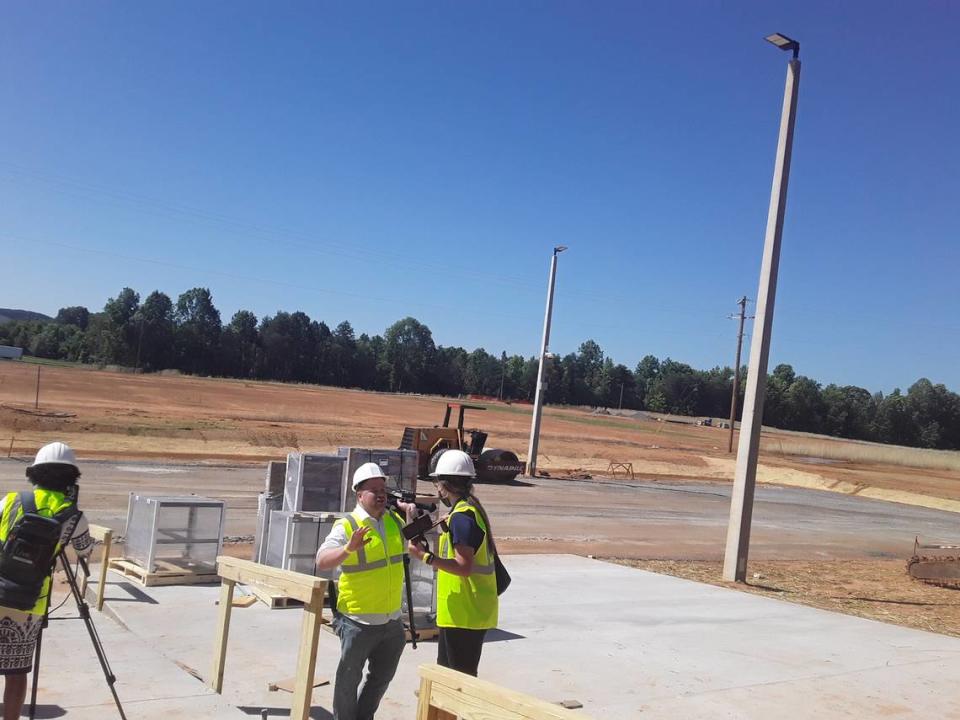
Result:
<point x="642" y="519"/>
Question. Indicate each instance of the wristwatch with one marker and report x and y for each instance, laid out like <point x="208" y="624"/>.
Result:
<point x="428" y="558"/>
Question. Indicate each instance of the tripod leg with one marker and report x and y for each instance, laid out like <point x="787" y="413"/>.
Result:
<point x="36" y="660"/>
<point x="408" y="583"/>
<point x="84" y="611"/>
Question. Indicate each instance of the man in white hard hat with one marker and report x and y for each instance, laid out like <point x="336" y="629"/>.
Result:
<point x="23" y="603"/>
<point x="367" y="547"/>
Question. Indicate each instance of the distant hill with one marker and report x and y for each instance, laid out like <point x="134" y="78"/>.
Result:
<point x="8" y="314"/>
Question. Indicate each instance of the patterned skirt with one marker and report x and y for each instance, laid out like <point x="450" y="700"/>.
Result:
<point x="18" y="640"/>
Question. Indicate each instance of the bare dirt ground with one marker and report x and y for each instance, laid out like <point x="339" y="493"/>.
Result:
<point x="875" y="589"/>
<point x="118" y="416"/>
<point x="171" y="418"/>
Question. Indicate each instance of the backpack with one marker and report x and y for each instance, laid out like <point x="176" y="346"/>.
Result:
<point x="27" y="555"/>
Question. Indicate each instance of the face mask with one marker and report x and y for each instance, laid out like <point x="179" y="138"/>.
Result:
<point x="445" y="500"/>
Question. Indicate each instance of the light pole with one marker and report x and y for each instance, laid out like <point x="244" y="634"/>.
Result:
<point x="745" y="475"/>
<point x="541" y="386"/>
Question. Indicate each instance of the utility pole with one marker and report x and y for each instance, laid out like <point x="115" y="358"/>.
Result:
<point x="742" y="302"/>
<point x="36" y="400"/>
<point x="620" y="406"/>
<point x="541" y="386"/>
<point x="503" y="372"/>
<point x="745" y="475"/>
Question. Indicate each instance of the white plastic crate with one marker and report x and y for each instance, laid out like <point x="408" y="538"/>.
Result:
<point x="185" y="532"/>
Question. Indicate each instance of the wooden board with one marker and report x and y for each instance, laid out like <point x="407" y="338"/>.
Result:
<point x="168" y="576"/>
<point x="446" y="693"/>
<point x="428" y="633"/>
<point x="273" y="598"/>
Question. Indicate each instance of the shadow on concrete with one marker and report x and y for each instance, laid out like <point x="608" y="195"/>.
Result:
<point x="136" y="594"/>
<point x="46" y="711"/>
<point x="498" y="635"/>
<point x="316" y="713"/>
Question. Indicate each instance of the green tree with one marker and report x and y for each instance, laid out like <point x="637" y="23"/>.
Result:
<point x="197" y="329"/>
<point x="155" y="332"/>
<point x="75" y="315"/>
<point x="408" y="355"/>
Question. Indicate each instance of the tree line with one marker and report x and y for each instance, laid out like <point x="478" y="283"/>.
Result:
<point x="188" y="335"/>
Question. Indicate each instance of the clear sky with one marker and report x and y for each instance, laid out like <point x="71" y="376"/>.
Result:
<point x="368" y="161"/>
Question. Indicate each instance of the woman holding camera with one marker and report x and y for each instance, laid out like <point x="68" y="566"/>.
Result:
<point x="467" y="604"/>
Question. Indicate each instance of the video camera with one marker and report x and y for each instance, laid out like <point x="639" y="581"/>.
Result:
<point x="405" y="496"/>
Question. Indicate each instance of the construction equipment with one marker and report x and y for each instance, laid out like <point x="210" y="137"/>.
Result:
<point x="938" y="565"/>
<point x="492" y="465"/>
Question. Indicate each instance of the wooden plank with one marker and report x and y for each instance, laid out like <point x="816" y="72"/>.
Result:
<point x="307" y="657"/>
<point x="106" y="537"/>
<point x="272" y="598"/>
<point x="423" y="702"/>
<point x="289" y="583"/>
<point x="422" y="633"/>
<point x="162" y="577"/>
<point x="470" y="698"/>
<point x="223" y="631"/>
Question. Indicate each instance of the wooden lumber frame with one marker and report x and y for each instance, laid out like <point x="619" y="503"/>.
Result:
<point x="310" y="590"/>
<point x="105" y="536"/>
<point x="626" y="467"/>
<point x="446" y="693"/>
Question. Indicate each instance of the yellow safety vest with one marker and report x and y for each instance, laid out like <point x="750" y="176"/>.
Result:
<point x="371" y="579"/>
<point x="49" y="503"/>
<point x="467" y="602"/>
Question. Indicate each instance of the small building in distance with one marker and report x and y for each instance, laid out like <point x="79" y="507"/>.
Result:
<point x="8" y="352"/>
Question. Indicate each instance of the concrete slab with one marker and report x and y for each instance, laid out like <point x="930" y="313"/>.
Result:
<point x="622" y="641"/>
<point x="72" y="683"/>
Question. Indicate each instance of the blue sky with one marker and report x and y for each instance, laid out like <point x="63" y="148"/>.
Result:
<point x="368" y="161"/>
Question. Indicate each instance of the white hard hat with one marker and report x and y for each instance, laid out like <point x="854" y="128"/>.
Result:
<point x="56" y="453"/>
<point x="365" y="472"/>
<point x="454" y="462"/>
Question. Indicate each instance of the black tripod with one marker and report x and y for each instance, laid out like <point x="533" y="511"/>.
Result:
<point x="84" y="611"/>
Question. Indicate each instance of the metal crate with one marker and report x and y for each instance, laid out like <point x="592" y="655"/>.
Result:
<point x="183" y="532"/>
<point x="266" y="504"/>
<point x="314" y="483"/>
<point x="276" y="476"/>
<point x="400" y="467"/>
<point x="423" y="581"/>
<point x="295" y="537"/>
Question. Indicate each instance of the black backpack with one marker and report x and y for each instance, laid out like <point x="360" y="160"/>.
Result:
<point x="27" y="555"/>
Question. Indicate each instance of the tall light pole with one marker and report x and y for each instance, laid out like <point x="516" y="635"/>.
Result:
<point x="541" y="386"/>
<point x="745" y="475"/>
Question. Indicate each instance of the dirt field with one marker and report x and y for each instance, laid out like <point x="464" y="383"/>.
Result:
<point x="875" y="589"/>
<point x="124" y="416"/>
<point x="117" y="415"/>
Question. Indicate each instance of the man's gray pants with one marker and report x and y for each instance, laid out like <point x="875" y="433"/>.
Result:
<point x="378" y="645"/>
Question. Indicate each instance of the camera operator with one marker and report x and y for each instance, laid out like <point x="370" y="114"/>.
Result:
<point x="54" y="474"/>
<point x="367" y="547"/>
<point x="467" y="603"/>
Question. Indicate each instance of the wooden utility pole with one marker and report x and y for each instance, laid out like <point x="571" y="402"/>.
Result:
<point x="36" y="400"/>
<point x="742" y="302"/>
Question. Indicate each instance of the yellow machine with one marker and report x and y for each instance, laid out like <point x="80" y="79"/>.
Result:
<point x="492" y="465"/>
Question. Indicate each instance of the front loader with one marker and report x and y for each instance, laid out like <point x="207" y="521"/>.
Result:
<point x="491" y="464"/>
